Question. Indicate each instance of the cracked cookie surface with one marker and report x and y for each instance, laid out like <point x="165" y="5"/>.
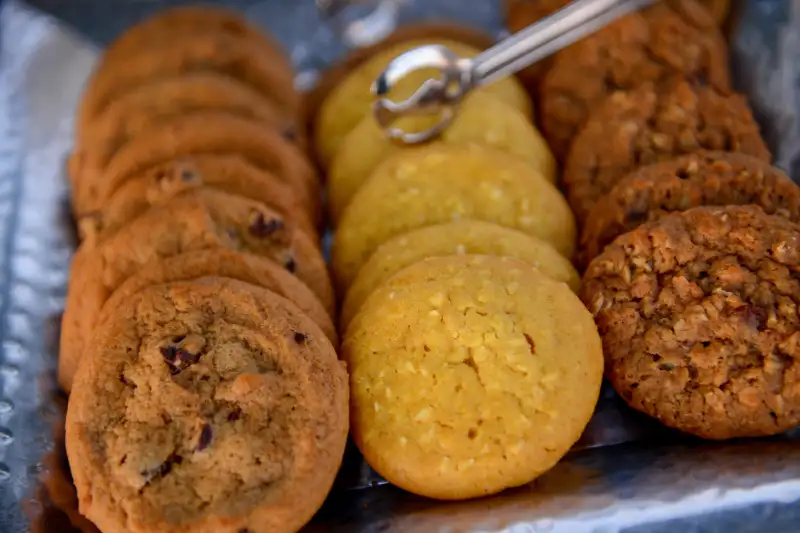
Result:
<point x="459" y="237"/>
<point x="671" y="38"/>
<point x="442" y="183"/>
<point x="470" y="374"/>
<point x="698" y="315"/>
<point x="706" y="178"/>
<point x="650" y="124"/>
<point x="206" y="406"/>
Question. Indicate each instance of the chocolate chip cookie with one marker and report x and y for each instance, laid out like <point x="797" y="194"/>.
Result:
<point x="671" y="37"/>
<point x="705" y="178"/>
<point x="229" y="173"/>
<point x="195" y="220"/>
<point x="698" y="315"/>
<point x="153" y="103"/>
<point x="205" y="132"/>
<point x="650" y="124"/>
<point x="212" y="405"/>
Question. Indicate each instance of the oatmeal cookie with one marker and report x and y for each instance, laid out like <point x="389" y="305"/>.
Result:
<point x="469" y="375"/>
<point x="698" y="315"/>
<point x="176" y="55"/>
<point x="671" y="37"/>
<point x="211" y="405"/>
<point x="482" y="119"/>
<point x="152" y="104"/>
<point x="441" y="183"/>
<point x="704" y="178"/>
<point x="205" y="133"/>
<point x="195" y="220"/>
<point x="650" y="124"/>
<point x="229" y="173"/>
<point x="460" y="237"/>
<point x="333" y="76"/>
<point x="350" y="101"/>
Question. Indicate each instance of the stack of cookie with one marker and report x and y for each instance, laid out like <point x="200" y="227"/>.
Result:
<point x="689" y="236"/>
<point x="198" y="337"/>
<point x="473" y="365"/>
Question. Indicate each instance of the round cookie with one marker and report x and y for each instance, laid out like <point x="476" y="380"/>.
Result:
<point x="228" y="173"/>
<point x="205" y="133"/>
<point x="196" y="220"/>
<point x="706" y="178"/>
<point x="176" y="55"/>
<point x="699" y="321"/>
<point x="651" y="124"/>
<point x="351" y="101"/>
<point x="164" y="99"/>
<point x="459" y="237"/>
<point x="206" y="406"/>
<point x="338" y="72"/>
<point x="470" y="375"/>
<point x="437" y="184"/>
<point x="482" y="118"/>
<point x="673" y="37"/>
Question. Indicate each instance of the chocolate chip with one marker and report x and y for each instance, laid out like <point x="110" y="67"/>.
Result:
<point x="530" y="342"/>
<point x="161" y="470"/>
<point x="636" y="216"/>
<point x="290" y="265"/>
<point x="289" y="133"/>
<point x="206" y="434"/>
<point x="187" y="175"/>
<point x="234" y="415"/>
<point x="262" y="227"/>
<point x="178" y="358"/>
<point x="300" y="338"/>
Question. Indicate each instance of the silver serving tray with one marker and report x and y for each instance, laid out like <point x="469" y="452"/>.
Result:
<point x="627" y="473"/>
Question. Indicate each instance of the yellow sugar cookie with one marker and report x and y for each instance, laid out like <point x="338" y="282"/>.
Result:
<point x="347" y="104"/>
<point x="482" y="118"/>
<point x="470" y="374"/>
<point x="437" y="184"/>
<point x="460" y="237"/>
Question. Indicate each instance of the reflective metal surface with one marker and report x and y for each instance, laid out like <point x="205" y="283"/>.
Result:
<point x="660" y="483"/>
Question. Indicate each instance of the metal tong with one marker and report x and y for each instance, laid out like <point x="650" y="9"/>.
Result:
<point x="458" y="76"/>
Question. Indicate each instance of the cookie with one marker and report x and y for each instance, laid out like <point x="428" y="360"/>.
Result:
<point x="470" y="375"/>
<point x="437" y="184"/>
<point x="460" y="237"/>
<point x="482" y="118"/>
<point x="698" y="315"/>
<point x="196" y="220"/>
<point x="707" y="178"/>
<point x="351" y="101"/>
<point x="228" y="173"/>
<point x="651" y="124"/>
<point x="205" y="133"/>
<point x="206" y="406"/>
<point x="674" y="37"/>
<point x="214" y="52"/>
<point x="151" y="104"/>
<point x="337" y="73"/>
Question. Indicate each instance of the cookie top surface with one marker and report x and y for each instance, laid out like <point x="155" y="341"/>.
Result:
<point x="205" y="133"/>
<point x="459" y="237"/>
<point x="178" y="54"/>
<point x="437" y="184"/>
<point x="705" y="178"/>
<point x="346" y="105"/>
<point x="207" y="406"/>
<point x="482" y="118"/>
<point x="163" y="99"/>
<point x="238" y="265"/>
<point x="651" y="124"/>
<point x="227" y="172"/>
<point x="698" y="315"/>
<point x="335" y="74"/>
<point x="669" y="38"/>
<point x="479" y="369"/>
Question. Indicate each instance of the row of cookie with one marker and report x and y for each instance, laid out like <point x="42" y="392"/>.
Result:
<point x="459" y="317"/>
<point x="198" y="340"/>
